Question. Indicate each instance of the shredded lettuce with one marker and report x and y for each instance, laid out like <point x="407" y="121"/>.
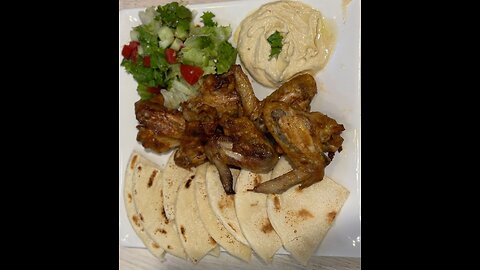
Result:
<point x="207" y="19"/>
<point x="208" y="48"/>
<point x="173" y="14"/>
<point x="227" y="55"/>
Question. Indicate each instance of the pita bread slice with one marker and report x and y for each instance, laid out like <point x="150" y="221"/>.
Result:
<point x="251" y="209"/>
<point x="302" y="218"/>
<point x="147" y="195"/>
<point x="213" y="225"/>
<point x="171" y="176"/>
<point x="223" y="205"/>
<point x="194" y="237"/>
<point x="131" y="210"/>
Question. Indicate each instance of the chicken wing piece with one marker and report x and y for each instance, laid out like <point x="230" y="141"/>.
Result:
<point x="217" y="97"/>
<point x="159" y="128"/>
<point x="191" y="152"/>
<point x="298" y="92"/>
<point x="155" y="142"/>
<point x="241" y="145"/>
<point x="304" y="137"/>
<point x="252" y="107"/>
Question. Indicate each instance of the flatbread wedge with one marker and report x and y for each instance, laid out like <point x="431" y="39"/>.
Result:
<point x="302" y="217"/>
<point x="171" y="175"/>
<point x="131" y="210"/>
<point x="147" y="195"/>
<point x="193" y="235"/>
<point x="223" y="205"/>
<point x="251" y="209"/>
<point x="213" y="225"/>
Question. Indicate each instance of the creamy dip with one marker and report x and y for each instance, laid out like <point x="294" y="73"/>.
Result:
<point x="308" y="41"/>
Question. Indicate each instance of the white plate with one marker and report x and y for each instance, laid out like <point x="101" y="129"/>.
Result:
<point x="338" y="97"/>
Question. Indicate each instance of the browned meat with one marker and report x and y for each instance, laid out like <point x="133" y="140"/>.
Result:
<point x="242" y="145"/>
<point x="217" y="97"/>
<point x="192" y="152"/>
<point x="298" y="92"/>
<point x="251" y="105"/>
<point x="159" y="128"/>
<point x="304" y="137"/>
<point x="155" y="142"/>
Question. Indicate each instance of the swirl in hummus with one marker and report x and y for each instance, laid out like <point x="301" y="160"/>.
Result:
<point x="308" y="42"/>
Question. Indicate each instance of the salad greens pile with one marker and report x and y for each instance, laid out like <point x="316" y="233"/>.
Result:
<point x="168" y="54"/>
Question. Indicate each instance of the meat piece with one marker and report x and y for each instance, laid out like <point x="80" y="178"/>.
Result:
<point x="160" y="129"/>
<point x="251" y="105"/>
<point x="298" y="92"/>
<point x="304" y="137"/>
<point x="241" y="145"/>
<point x="155" y="142"/>
<point x="217" y="98"/>
<point x="192" y="152"/>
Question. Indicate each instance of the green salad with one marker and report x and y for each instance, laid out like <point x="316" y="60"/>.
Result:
<point x="167" y="54"/>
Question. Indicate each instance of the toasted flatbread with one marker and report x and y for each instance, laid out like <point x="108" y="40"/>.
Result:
<point x="213" y="225"/>
<point x="147" y="195"/>
<point x="131" y="210"/>
<point x="223" y="205"/>
<point x="194" y="237"/>
<point x="251" y="209"/>
<point x="171" y="176"/>
<point x="302" y="217"/>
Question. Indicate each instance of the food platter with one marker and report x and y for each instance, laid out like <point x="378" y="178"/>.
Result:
<point x="338" y="97"/>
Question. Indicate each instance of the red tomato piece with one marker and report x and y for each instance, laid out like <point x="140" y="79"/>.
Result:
<point x="154" y="90"/>
<point x="146" y="61"/>
<point x="130" y="51"/>
<point x="126" y="51"/>
<point x="191" y="74"/>
<point x="171" y="55"/>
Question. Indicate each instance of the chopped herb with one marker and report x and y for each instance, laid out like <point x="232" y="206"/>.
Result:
<point x="275" y="41"/>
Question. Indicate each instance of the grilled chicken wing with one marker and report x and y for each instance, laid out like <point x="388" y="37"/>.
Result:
<point x="159" y="129"/>
<point x="251" y="105"/>
<point x="217" y="98"/>
<point x="191" y="152"/>
<point x="241" y="145"/>
<point x="304" y="137"/>
<point x="298" y="92"/>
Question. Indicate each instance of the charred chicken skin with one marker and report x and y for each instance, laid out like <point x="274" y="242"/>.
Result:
<point x="241" y="145"/>
<point x="159" y="128"/>
<point x="309" y="140"/>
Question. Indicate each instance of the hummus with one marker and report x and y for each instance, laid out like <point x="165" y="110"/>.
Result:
<point x="308" y="42"/>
